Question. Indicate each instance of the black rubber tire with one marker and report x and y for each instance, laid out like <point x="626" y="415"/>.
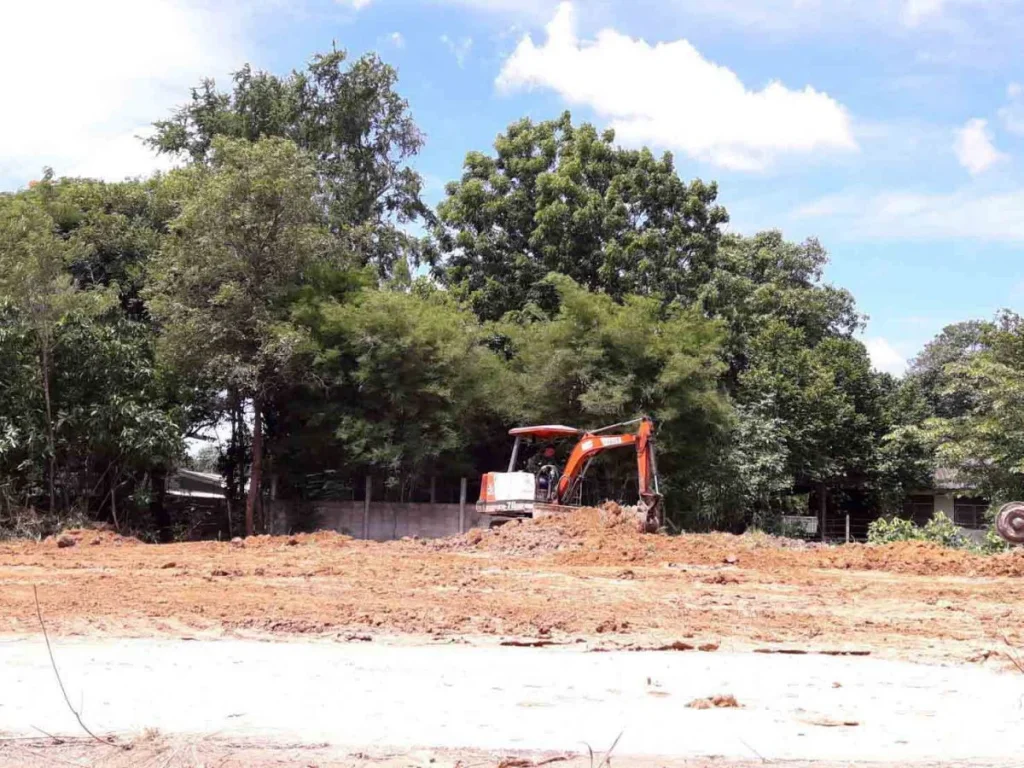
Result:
<point x="1010" y="522"/>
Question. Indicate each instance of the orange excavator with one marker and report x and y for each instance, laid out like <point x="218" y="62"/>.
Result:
<point x="548" y="490"/>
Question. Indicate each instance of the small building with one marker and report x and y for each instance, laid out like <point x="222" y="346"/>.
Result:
<point x="188" y="483"/>
<point x="950" y="496"/>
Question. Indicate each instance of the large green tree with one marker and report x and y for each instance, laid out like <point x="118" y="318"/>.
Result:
<point x="983" y="439"/>
<point x="353" y="124"/>
<point x="248" y="235"/>
<point x="598" y="362"/>
<point x="41" y="293"/>
<point x="932" y="373"/>
<point x="404" y="385"/>
<point x="82" y="396"/>
<point x="555" y="197"/>
<point x="764" y="278"/>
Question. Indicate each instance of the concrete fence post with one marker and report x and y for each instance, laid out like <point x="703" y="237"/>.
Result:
<point x="822" y="503"/>
<point x="366" y="507"/>
<point x="847" y="527"/>
<point x="462" y="506"/>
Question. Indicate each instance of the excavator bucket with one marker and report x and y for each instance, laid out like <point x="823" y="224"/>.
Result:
<point x="649" y="512"/>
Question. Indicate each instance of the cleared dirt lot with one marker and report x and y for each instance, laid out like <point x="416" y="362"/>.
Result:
<point x="498" y="702"/>
<point x="582" y="583"/>
<point x="582" y="579"/>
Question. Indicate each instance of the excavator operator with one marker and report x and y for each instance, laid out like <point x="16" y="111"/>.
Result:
<point x="539" y="460"/>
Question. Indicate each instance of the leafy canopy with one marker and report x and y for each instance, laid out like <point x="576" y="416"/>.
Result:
<point x="561" y="198"/>
<point x="356" y="129"/>
<point x="248" y="235"/>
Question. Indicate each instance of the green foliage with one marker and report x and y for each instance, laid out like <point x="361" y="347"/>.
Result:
<point x="764" y="278"/>
<point x="411" y="383"/>
<point x="562" y="198"/>
<point x="892" y="530"/>
<point x="578" y="282"/>
<point x="809" y="408"/>
<point x="247" y="232"/>
<point x="994" y="544"/>
<point x="930" y="371"/>
<point x="353" y="125"/>
<point x="939" y="530"/>
<point x="113" y="230"/>
<point x="599" y="362"/>
<point x="985" y="441"/>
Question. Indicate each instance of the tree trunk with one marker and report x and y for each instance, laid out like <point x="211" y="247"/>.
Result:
<point x="256" y="473"/>
<point x="44" y="355"/>
<point x="230" y="485"/>
<point x="158" y="481"/>
<point x="113" y="502"/>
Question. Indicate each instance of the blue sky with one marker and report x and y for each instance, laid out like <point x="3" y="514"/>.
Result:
<point x="893" y="130"/>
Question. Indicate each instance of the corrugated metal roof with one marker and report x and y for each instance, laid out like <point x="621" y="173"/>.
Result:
<point x="201" y="477"/>
<point x="948" y="479"/>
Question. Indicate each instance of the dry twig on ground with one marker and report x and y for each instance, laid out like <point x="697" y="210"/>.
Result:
<point x="56" y="672"/>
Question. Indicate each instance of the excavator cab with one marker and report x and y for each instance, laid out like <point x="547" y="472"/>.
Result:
<point x="541" y="487"/>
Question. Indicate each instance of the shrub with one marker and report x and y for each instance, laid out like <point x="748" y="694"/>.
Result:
<point x="994" y="543"/>
<point x="939" y="530"/>
<point x="888" y="531"/>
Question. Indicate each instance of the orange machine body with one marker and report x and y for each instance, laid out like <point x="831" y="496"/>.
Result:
<point x="524" y="494"/>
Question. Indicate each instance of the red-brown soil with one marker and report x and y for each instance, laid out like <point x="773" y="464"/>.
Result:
<point x="588" y="577"/>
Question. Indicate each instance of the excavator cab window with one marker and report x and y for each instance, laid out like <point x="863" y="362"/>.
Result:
<point x="542" y="462"/>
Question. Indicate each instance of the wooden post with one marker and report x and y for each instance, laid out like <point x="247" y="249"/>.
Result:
<point x="462" y="506"/>
<point x="433" y="490"/>
<point x="847" y="527"/>
<point x="272" y="511"/>
<point x="824" y="510"/>
<point x="366" y="507"/>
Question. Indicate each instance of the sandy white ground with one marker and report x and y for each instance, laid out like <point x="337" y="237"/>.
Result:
<point x="374" y="695"/>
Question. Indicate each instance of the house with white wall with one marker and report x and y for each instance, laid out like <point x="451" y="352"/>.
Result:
<point x="949" y="496"/>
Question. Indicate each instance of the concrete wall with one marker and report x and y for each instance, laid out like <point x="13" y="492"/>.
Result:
<point x="386" y="520"/>
<point x="944" y="504"/>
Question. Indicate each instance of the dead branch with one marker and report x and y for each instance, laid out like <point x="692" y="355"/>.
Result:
<point x="55" y="739"/>
<point x="1011" y="654"/>
<point x="53" y="663"/>
<point x="608" y="755"/>
<point x="606" y="763"/>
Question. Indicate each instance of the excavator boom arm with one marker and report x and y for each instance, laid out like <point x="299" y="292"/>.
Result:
<point x="594" y="443"/>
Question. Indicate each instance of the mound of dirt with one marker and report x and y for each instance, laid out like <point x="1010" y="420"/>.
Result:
<point x="584" y="529"/>
<point x="921" y="558"/>
<point x="97" y="537"/>
<point x="318" y="539"/>
<point x="608" y="536"/>
<point x="718" y="701"/>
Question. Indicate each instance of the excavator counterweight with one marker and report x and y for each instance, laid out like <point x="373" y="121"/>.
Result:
<point x="548" y="490"/>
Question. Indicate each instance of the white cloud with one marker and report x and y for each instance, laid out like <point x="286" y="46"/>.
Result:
<point x="537" y="10"/>
<point x="648" y="92"/>
<point x="83" y="78"/>
<point x="396" y="39"/>
<point x="916" y="11"/>
<point x="884" y="356"/>
<point x="354" y="4"/>
<point x="1012" y="113"/>
<point x="974" y="148"/>
<point x="969" y="214"/>
<point x="460" y="50"/>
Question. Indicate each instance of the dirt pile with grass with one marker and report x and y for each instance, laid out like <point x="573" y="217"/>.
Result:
<point x="608" y="536"/>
